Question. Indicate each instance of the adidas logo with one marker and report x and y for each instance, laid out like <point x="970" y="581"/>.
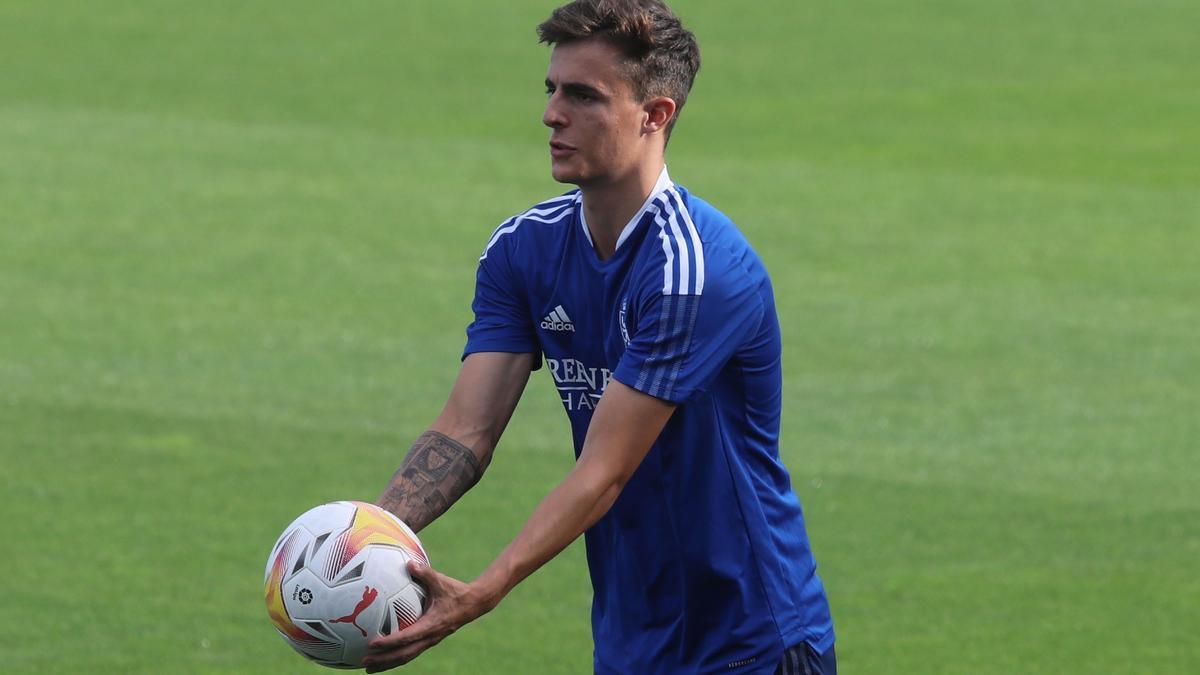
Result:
<point x="558" y="320"/>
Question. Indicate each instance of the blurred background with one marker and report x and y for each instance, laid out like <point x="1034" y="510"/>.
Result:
<point x="237" y="252"/>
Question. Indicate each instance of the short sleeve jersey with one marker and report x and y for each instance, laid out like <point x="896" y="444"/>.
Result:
<point x="703" y="563"/>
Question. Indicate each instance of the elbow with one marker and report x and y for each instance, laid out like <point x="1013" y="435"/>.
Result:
<point x="608" y="497"/>
<point x="604" y="484"/>
<point x="479" y="439"/>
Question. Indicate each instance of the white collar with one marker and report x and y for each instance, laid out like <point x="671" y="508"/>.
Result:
<point x="660" y="186"/>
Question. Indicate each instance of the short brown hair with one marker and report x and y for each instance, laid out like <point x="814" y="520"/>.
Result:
<point x="661" y="56"/>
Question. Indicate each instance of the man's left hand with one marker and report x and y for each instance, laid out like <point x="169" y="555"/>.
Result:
<point x="451" y="604"/>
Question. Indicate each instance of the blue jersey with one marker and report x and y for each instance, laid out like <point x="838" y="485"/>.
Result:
<point x="703" y="563"/>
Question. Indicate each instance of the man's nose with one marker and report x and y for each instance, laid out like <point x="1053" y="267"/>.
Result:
<point x="554" y="117"/>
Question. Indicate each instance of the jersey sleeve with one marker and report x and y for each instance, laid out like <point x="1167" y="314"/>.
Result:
<point x="502" y="320"/>
<point x="683" y="340"/>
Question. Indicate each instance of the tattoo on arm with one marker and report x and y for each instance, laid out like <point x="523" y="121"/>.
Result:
<point x="435" y="473"/>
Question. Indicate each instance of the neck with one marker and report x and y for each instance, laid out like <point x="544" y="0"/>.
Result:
<point x="608" y="208"/>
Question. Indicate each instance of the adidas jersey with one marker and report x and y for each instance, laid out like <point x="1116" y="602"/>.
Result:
<point x="703" y="563"/>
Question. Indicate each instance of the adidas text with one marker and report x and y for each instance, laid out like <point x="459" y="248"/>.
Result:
<point x="557" y="320"/>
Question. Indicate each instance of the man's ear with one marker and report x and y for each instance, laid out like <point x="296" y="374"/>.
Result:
<point x="659" y="113"/>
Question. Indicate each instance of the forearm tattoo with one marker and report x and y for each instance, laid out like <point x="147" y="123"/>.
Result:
<point x="435" y="473"/>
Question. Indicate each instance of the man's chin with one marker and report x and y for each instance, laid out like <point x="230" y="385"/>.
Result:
<point x="564" y="175"/>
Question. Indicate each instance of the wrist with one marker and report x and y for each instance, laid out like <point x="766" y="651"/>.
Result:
<point x="489" y="589"/>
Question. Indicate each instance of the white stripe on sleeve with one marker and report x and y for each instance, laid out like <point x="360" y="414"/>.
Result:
<point x="695" y="236"/>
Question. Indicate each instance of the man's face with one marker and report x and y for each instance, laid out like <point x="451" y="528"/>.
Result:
<point x="595" y="122"/>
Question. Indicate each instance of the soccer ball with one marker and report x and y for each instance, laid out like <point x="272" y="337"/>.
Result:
<point x="336" y="579"/>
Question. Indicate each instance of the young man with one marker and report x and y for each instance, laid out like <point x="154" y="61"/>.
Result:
<point x="657" y="323"/>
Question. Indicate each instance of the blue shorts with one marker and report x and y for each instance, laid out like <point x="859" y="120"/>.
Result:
<point x="804" y="660"/>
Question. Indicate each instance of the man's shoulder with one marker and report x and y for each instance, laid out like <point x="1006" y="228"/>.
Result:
<point x="711" y="223"/>
<point x="698" y="245"/>
<point x="554" y="211"/>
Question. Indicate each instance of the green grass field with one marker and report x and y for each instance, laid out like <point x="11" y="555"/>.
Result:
<point x="237" y="244"/>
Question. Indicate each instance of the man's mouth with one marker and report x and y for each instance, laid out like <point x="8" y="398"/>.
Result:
<point x="559" y="149"/>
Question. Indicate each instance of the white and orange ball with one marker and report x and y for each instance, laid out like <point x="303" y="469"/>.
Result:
<point x="337" y="578"/>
